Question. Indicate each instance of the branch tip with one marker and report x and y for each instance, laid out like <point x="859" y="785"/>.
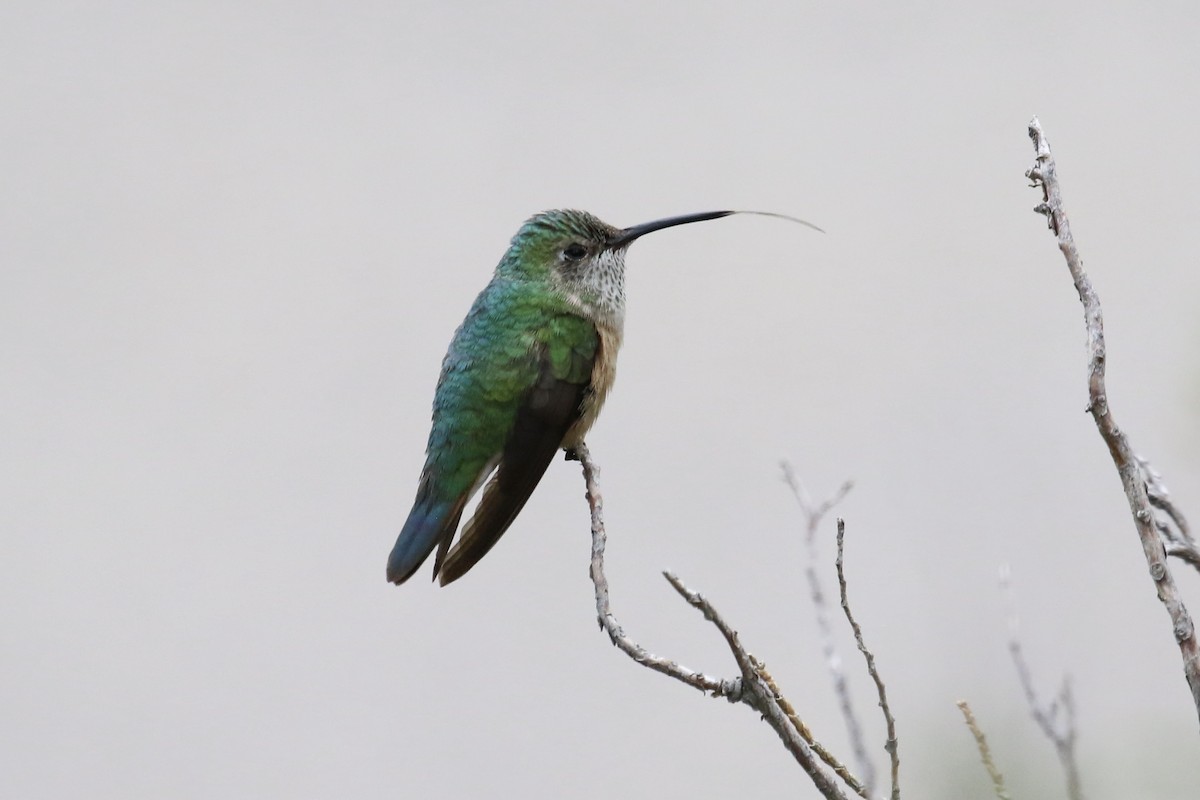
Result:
<point x="1139" y="483"/>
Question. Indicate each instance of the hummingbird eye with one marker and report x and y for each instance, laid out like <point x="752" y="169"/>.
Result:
<point x="575" y="251"/>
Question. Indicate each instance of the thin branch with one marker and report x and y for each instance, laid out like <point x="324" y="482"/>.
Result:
<point x="768" y="703"/>
<point x="813" y="515"/>
<point x="892" y="743"/>
<point x="840" y="769"/>
<point x="729" y="689"/>
<point x="1171" y="523"/>
<point x="985" y="752"/>
<point x="1060" y="730"/>
<point x="1133" y="480"/>
<point x="751" y="688"/>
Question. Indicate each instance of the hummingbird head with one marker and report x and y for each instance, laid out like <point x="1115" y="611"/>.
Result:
<point x="583" y="257"/>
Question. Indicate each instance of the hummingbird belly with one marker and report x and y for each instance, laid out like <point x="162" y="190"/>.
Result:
<point x="604" y="372"/>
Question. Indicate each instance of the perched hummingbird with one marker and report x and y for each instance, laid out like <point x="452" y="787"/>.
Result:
<point x="525" y="375"/>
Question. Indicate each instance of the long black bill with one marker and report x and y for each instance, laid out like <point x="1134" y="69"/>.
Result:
<point x="626" y="236"/>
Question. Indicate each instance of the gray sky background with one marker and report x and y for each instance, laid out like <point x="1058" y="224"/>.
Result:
<point x="236" y="239"/>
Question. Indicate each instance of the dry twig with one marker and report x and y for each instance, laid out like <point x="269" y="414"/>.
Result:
<point x="1171" y="523"/>
<point x="1060" y="730"/>
<point x="813" y="514"/>
<point x="840" y="769"/>
<point x="985" y="752"/>
<point x="729" y="689"/>
<point x="767" y="697"/>
<point x="1133" y="477"/>
<point x="892" y="744"/>
<point x="755" y="687"/>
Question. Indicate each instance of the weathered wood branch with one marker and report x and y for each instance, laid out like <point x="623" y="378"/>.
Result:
<point x="754" y="686"/>
<point x="1134" y="479"/>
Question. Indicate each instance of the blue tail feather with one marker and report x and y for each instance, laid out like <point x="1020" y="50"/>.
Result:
<point x="425" y="527"/>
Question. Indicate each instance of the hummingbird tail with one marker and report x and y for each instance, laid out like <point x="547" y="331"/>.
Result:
<point x="428" y="524"/>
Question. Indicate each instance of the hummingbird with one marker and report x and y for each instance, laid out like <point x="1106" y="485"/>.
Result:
<point x="526" y="375"/>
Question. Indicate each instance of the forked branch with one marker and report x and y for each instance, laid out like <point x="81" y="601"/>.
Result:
<point x="814" y="513"/>
<point x="1134" y="478"/>
<point x="1056" y="718"/>
<point x="755" y="687"/>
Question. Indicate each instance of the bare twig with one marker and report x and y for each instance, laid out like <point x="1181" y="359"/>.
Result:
<point x="1060" y="730"/>
<point x="1133" y="478"/>
<point x="752" y="688"/>
<point x="766" y="698"/>
<point x="985" y="752"/>
<point x="892" y="744"/>
<point x="1171" y="523"/>
<point x="729" y="689"/>
<point x="842" y="772"/>
<point x="813" y="515"/>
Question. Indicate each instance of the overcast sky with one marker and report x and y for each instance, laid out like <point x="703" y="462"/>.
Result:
<point x="235" y="239"/>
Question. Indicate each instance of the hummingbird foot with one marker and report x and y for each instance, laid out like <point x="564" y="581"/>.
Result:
<point x="570" y="454"/>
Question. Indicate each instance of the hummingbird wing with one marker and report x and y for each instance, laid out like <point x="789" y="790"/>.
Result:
<point x="545" y="413"/>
